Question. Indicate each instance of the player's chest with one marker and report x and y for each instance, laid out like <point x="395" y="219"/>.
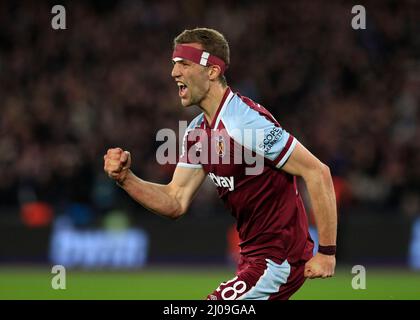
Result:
<point x="223" y="159"/>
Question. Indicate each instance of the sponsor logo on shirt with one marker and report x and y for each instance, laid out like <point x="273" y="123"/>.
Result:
<point x="270" y="139"/>
<point x="223" y="182"/>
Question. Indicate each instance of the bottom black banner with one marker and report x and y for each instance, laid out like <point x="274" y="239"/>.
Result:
<point x="185" y="309"/>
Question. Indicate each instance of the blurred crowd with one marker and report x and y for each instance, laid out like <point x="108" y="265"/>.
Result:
<point x="351" y="96"/>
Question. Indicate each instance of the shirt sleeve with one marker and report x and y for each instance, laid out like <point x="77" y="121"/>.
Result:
<point x="191" y="148"/>
<point x="257" y="130"/>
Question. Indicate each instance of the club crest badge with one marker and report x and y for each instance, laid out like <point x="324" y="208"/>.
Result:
<point x="220" y="146"/>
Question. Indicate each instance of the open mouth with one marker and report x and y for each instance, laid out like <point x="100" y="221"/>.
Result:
<point x="182" y="87"/>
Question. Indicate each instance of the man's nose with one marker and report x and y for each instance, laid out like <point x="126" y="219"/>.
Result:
<point x="175" y="70"/>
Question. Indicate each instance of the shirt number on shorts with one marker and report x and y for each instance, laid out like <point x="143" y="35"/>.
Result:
<point x="237" y="288"/>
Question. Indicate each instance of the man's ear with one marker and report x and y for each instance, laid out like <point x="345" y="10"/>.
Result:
<point x="214" y="72"/>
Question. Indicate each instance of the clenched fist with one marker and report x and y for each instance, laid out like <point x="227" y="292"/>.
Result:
<point x="320" y="266"/>
<point x="117" y="164"/>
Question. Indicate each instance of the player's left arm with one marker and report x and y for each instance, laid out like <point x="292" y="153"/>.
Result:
<point x="320" y="187"/>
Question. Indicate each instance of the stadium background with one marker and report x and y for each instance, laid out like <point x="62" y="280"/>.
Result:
<point x="351" y="96"/>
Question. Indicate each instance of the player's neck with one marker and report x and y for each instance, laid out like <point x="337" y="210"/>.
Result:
<point x="211" y="103"/>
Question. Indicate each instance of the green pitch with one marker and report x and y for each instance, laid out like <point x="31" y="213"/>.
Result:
<point x="151" y="284"/>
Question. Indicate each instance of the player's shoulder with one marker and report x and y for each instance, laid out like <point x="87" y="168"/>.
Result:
<point x="196" y="122"/>
<point x="242" y="110"/>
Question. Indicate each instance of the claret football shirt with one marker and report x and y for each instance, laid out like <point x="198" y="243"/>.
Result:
<point x="242" y="151"/>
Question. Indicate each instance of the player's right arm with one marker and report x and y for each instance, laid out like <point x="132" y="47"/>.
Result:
<point x="171" y="200"/>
